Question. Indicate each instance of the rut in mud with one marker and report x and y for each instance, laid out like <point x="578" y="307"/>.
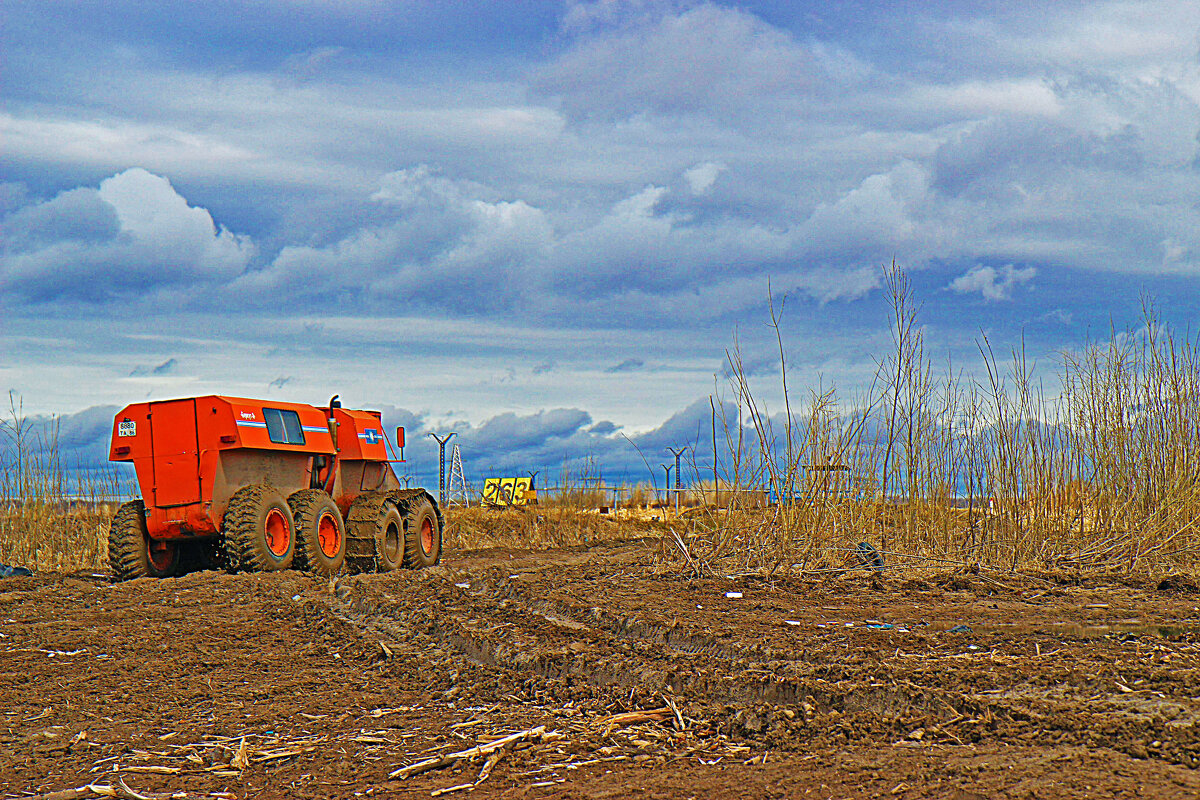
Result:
<point x="587" y="630"/>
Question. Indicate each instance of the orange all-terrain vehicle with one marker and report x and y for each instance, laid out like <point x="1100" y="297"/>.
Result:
<point x="257" y="485"/>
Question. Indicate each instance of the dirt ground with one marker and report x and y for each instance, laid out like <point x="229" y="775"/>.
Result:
<point x="215" y="685"/>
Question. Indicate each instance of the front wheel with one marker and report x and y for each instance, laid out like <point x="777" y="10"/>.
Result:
<point x="259" y="531"/>
<point x="131" y="551"/>
<point x="422" y="535"/>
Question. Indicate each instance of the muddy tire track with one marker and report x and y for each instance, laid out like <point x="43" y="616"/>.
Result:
<point x="546" y="632"/>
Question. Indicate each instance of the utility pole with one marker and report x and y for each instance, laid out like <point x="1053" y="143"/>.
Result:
<point x="677" y="454"/>
<point x="442" y="465"/>
<point x="533" y="478"/>
<point x="716" y="479"/>
<point x="667" y="482"/>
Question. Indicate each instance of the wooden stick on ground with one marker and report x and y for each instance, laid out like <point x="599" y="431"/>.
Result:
<point x="65" y="794"/>
<point x="492" y="761"/>
<point x="121" y="789"/>
<point x="633" y="717"/>
<point x="674" y="708"/>
<point x="441" y="762"/>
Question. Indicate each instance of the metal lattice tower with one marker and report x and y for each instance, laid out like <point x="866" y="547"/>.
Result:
<point x="458" y="484"/>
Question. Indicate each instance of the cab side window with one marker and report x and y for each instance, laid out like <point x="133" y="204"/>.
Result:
<point x="283" y="427"/>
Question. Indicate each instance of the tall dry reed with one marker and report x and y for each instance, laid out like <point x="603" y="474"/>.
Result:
<point x="1099" y="470"/>
<point x="50" y="519"/>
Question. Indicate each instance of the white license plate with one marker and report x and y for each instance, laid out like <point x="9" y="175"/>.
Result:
<point x="127" y="428"/>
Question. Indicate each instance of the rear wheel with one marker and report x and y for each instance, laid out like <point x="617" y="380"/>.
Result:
<point x="422" y="535"/>
<point x="259" y="530"/>
<point x="320" y="534"/>
<point x="131" y="551"/>
<point x="389" y="540"/>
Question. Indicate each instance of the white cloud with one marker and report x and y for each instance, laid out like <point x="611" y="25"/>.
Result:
<point x="113" y="143"/>
<point x="420" y="185"/>
<point x="702" y="176"/>
<point x="994" y="284"/>
<point x="980" y="98"/>
<point x="1113" y="34"/>
<point x="703" y="59"/>
<point x="436" y="244"/>
<point x="135" y="234"/>
<point x="880" y="217"/>
<point x="647" y="166"/>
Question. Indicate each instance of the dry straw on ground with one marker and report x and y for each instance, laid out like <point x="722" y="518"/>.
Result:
<point x="547" y="525"/>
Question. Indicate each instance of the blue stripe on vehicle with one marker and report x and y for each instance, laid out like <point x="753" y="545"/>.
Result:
<point x="243" y="423"/>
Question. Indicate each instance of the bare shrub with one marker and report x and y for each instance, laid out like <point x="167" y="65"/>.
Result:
<point x="991" y="471"/>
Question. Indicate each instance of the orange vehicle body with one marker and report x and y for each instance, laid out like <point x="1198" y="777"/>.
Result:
<point x="191" y="455"/>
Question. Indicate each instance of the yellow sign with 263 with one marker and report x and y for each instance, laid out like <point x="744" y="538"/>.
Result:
<point x="508" y="491"/>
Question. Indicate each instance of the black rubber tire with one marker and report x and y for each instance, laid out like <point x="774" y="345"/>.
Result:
<point x="129" y="546"/>
<point x="868" y="556"/>
<point x="309" y="508"/>
<point x="252" y="511"/>
<point x="420" y="513"/>
<point x="389" y="540"/>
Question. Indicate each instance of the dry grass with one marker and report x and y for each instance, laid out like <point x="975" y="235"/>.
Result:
<point x="48" y="539"/>
<point x="43" y="525"/>
<point x="1101" y="474"/>
<point x="541" y="526"/>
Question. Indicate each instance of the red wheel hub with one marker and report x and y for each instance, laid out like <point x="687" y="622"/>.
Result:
<point x="278" y="533"/>
<point x="328" y="535"/>
<point x="427" y="536"/>
<point x="160" y="554"/>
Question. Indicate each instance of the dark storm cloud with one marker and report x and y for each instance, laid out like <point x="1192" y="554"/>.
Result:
<point x="167" y="367"/>
<point x="87" y="431"/>
<point x="76" y="443"/>
<point x="560" y="439"/>
<point x="628" y="365"/>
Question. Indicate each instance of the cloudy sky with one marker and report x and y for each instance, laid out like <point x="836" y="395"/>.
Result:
<point x="542" y="223"/>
